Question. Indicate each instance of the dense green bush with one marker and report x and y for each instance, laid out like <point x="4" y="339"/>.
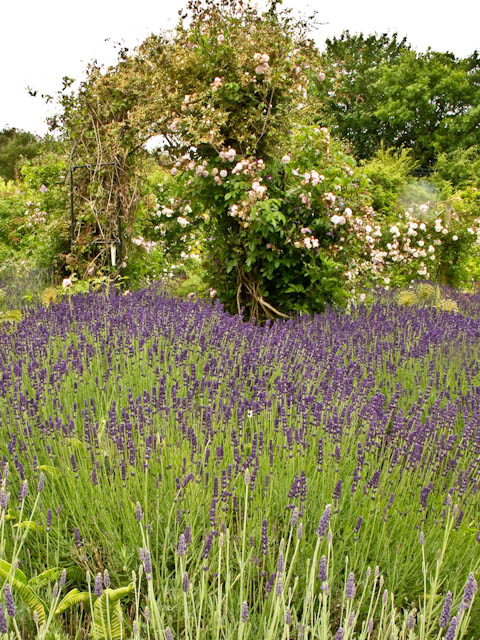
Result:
<point x="390" y="173"/>
<point x="16" y="147"/>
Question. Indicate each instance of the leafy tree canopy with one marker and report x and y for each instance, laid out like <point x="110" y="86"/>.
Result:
<point x="378" y="91"/>
<point x="16" y="146"/>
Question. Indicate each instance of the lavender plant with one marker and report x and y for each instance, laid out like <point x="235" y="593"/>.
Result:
<point x="214" y="445"/>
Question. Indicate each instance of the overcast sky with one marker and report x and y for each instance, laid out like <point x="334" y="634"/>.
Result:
<point x="43" y="40"/>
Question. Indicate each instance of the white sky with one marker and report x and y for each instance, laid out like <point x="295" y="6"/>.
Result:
<point x="43" y="40"/>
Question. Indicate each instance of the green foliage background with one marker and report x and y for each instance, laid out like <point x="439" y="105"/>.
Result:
<point x="402" y="129"/>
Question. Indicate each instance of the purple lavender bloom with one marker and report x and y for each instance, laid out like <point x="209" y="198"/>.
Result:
<point x="147" y="563"/>
<point x="452" y="629"/>
<point x="4" y="497"/>
<point x="358" y="525"/>
<point x="445" y="614"/>
<point x="55" y="590"/>
<point x="98" y="586"/>
<point x="350" y="588"/>
<point x="212" y="514"/>
<point x="23" y="491"/>
<point x="9" y="603"/>
<point x="339" y="634"/>
<point x="187" y="535"/>
<point x="279" y="586"/>
<point x="208" y="545"/>
<point x="185" y="582"/>
<point x="244" y="612"/>
<point x="337" y="492"/>
<point x="422" y="538"/>
<point x="3" y="620"/>
<point x="294" y="518"/>
<point x="168" y="634"/>
<point x="181" y="546"/>
<point x="300" y="531"/>
<point x="424" y="493"/>
<point x="410" y="621"/>
<point x="288" y="617"/>
<point x="78" y="538"/>
<point x="270" y="582"/>
<point x="264" y="544"/>
<point x="48" y="524"/>
<point x="41" y="483"/>
<point x="324" y="522"/>
<point x="322" y="569"/>
<point x="281" y="563"/>
<point x="63" y="579"/>
<point x="470" y="591"/>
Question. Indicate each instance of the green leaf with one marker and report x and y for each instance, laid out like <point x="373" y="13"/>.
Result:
<point x="51" y="575"/>
<point x="6" y="567"/>
<point x="52" y="471"/>
<point x="12" y="315"/>
<point x="108" y="614"/>
<point x="29" y="524"/>
<point x="72" y="598"/>
<point x="19" y="583"/>
<point x="46" y="577"/>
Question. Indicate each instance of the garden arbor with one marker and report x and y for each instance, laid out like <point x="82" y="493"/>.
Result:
<point x="229" y="84"/>
<point x="233" y="94"/>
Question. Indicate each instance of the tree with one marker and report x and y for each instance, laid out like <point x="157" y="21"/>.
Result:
<point x="378" y="91"/>
<point x="16" y="145"/>
<point x="352" y="65"/>
<point x="428" y="102"/>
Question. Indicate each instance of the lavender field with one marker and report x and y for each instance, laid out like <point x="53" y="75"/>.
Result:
<point x="169" y="471"/>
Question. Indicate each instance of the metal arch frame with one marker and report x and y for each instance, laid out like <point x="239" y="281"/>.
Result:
<point x="73" y="168"/>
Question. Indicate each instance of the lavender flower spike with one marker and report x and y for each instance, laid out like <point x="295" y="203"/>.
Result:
<point x="9" y="603"/>
<point x="63" y="579"/>
<point x="322" y="569"/>
<point x="445" y="615"/>
<point x="138" y="512"/>
<point x="324" y="521"/>
<point x="350" y="587"/>
<point x="41" y="483"/>
<point x="294" y="518"/>
<point x="181" y="546"/>
<point x="23" y="491"/>
<point x="78" y="538"/>
<point x="4" y="499"/>
<point x="244" y="613"/>
<point x="185" y="582"/>
<point x="452" y="629"/>
<point x="470" y="591"/>
<point x="147" y="563"/>
<point x="98" y="587"/>
<point x="3" y="620"/>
